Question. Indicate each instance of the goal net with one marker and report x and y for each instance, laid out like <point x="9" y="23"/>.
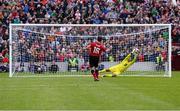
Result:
<point x="60" y="49"/>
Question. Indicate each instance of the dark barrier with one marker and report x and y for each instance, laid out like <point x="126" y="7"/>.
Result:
<point x="176" y="62"/>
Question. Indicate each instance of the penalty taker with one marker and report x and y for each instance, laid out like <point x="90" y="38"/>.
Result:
<point x="122" y="66"/>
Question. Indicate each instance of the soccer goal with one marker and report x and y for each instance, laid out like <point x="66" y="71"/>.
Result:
<point x="56" y="50"/>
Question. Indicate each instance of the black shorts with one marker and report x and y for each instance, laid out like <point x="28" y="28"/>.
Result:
<point x="93" y="61"/>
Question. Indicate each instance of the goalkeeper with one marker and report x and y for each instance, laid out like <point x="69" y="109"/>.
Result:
<point x="122" y="66"/>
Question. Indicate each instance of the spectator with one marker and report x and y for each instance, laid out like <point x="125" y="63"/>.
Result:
<point x="141" y="58"/>
<point x="160" y="63"/>
<point x="44" y="67"/>
<point x="4" y="63"/>
<point x="54" y="67"/>
<point x="21" y="67"/>
<point x="4" y="67"/>
<point x="73" y="64"/>
<point x="31" y="67"/>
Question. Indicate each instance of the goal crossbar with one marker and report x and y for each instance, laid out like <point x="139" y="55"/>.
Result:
<point x="89" y="25"/>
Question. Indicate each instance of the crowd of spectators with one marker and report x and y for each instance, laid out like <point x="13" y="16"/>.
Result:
<point x="86" y="12"/>
<point x="36" y="47"/>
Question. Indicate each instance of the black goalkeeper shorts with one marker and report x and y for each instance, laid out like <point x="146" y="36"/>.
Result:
<point x="93" y="61"/>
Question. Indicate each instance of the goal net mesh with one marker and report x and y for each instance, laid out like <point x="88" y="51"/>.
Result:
<point x="55" y="50"/>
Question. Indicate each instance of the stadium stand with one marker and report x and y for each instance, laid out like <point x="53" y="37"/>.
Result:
<point x="86" y="12"/>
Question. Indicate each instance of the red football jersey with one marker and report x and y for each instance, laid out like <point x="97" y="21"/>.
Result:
<point x="96" y="48"/>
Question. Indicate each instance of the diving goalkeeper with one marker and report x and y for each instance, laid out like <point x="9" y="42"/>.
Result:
<point x="122" y="66"/>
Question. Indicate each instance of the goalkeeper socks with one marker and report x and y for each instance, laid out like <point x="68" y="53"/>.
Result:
<point x="108" y="75"/>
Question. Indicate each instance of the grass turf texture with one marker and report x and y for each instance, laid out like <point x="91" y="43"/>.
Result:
<point x="126" y="73"/>
<point x="82" y="93"/>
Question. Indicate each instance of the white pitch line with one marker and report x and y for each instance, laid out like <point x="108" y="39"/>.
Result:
<point x="24" y="76"/>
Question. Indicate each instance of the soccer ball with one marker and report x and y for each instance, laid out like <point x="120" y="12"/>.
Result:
<point x="136" y="50"/>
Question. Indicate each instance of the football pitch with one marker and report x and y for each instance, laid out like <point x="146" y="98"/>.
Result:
<point x="82" y="93"/>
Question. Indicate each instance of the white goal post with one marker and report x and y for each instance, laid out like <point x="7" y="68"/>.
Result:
<point x="43" y="45"/>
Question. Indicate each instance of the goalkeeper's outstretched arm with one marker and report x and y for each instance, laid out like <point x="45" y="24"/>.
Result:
<point x="134" y="55"/>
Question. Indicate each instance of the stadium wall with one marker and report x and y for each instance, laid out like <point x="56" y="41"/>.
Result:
<point x="138" y="66"/>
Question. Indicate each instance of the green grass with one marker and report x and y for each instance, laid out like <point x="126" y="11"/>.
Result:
<point x="82" y="93"/>
<point x="66" y="73"/>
